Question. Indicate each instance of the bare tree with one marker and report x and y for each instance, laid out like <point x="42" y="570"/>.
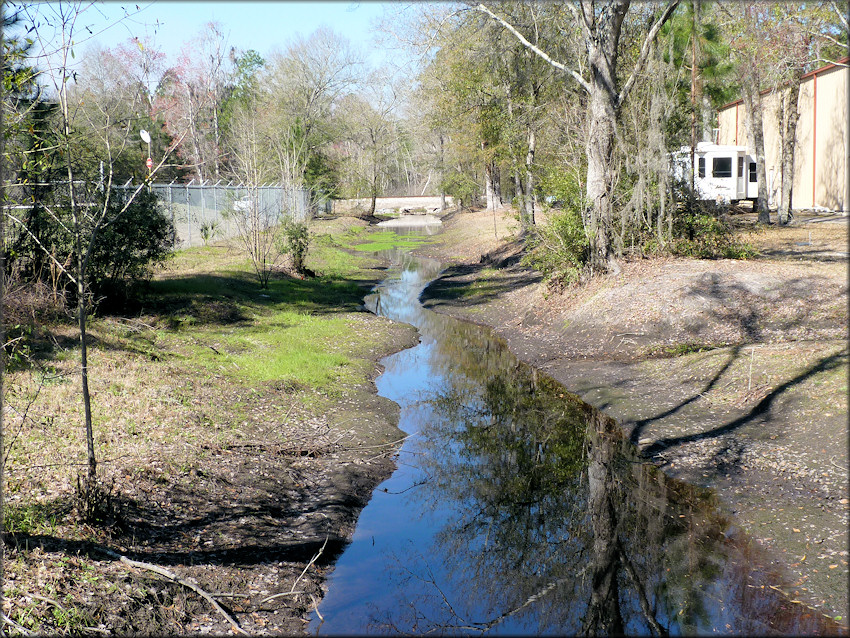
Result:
<point x="304" y="86"/>
<point x="257" y="216"/>
<point x="192" y="96"/>
<point x="373" y="136"/>
<point x="601" y="25"/>
<point x="88" y="201"/>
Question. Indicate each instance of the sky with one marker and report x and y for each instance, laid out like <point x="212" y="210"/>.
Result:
<point x="249" y="25"/>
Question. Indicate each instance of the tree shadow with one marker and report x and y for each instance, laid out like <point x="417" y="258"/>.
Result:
<point x="213" y="300"/>
<point x="640" y="425"/>
<point x="465" y="282"/>
<point x="737" y="305"/>
<point x="761" y="408"/>
<point x="223" y="527"/>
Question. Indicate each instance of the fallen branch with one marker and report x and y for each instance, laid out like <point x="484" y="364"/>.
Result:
<point x="369" y="447"/>
<point x="49" y="601"/>
<point x="834" y="464"/>
<point x="180" y="581"/>
<point x="21" y="628"/>
<point x="298" y="580"/>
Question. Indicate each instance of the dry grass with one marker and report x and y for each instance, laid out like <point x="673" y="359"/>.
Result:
<point x="181" y="424"/>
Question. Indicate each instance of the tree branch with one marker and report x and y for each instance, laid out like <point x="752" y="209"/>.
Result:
<point x="644" y="50"/>
<point x="175" y="578"/>
<point x="40" y="245"/>
<point x="581" y="19"/>
<point x="584" y="83"/>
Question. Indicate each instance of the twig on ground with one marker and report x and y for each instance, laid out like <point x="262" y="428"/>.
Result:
<point x="391" y="443"/>
<point x="49" y="601"/>
<point x="174" y="577"/>
<point x="298" y="580"/>
<point x="316" y="608"/>
<point x="21" y="628"/>
<point x="282" y="594"/>
<point x="832" y="461"/>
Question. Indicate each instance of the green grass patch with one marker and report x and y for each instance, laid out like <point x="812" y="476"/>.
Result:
<point x="330" y="258"/>
<point x="33" y="518"/>
<point x="682" y="349"/>
<point x="290" y="332"/>
<point x="286" y="345"/>
<point x="388" y="240"/>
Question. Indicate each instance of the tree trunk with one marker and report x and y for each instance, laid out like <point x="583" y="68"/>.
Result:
<point x="602" y="116"/>
<point x="755" y="135"/>
<point x="695" y="52"/>
<point x="513" y="152"/>
<point x="603" y="611"/>
<point x="193" y="133"/>
<point x="84" y="367"/>
<point x="520" y="195"/>
<point x="489" y="186"/>
<point x="788" y="126"/>
<point x="442" y="174"/>
<point x="529" y="179"/>
<point x="603" y="108"/>
<point x="81" y="302"/>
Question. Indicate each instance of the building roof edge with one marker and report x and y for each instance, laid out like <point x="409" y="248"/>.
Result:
<point x="843" y="62"/>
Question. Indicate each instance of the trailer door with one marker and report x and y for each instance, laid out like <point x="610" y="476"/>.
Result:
<point x="740" y="182"/>
<point x="752" y="182"/>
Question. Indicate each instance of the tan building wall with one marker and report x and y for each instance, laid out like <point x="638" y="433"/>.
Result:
<point x="822" y="142"/>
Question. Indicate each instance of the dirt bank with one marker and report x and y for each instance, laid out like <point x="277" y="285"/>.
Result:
<point x="247" y="490"/>
<point x="729" y="374"/>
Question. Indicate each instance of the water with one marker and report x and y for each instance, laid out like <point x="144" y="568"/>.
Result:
<point x="518" y="509"/>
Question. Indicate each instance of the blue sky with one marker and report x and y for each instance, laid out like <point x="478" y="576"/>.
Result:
<point x="249" y="25"/>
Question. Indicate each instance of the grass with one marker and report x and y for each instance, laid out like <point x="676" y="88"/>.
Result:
<point x="388" y="240"/>
<point x="681" y="349"/>
<point x="32" y="518"/>
<point x="207" y="356"/>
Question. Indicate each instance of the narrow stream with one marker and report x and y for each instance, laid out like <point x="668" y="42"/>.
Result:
<point x="518" y="509"/>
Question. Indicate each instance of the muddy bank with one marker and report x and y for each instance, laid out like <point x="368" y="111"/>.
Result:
<point x="247" y="490"/>
<point x="731" y="375"/>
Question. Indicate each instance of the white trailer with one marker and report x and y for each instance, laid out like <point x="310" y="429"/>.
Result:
<point x="722" y="173"/>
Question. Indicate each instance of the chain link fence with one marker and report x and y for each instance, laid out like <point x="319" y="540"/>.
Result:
<point x="202" y="213"/>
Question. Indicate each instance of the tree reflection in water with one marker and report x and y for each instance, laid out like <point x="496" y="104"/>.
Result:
<point x="548" y="522"/>
<point x="561" y="529"/>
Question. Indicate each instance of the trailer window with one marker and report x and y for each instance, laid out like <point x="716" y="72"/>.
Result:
<point x="701" y="167"/>
<point x="722" y="167"/>
<point x="740" y="168"/>
<point x="753" y="178"/>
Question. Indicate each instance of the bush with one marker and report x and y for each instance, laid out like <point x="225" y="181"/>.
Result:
<point x="124" y="251"/>
<point x="560" y="249"/>
<point x="706" y="235"/>
<point x="294" y="240"/>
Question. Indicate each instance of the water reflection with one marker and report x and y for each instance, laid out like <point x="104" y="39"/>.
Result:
<point x="519" y="509"/>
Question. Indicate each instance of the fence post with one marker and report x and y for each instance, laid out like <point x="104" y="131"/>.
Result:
<point x="203" y="218"/>
<point x="188" y="218"/>
<point x="171" y="212"/>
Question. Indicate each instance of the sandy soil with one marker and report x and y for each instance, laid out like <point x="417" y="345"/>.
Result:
<point x="728" y="374"/>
